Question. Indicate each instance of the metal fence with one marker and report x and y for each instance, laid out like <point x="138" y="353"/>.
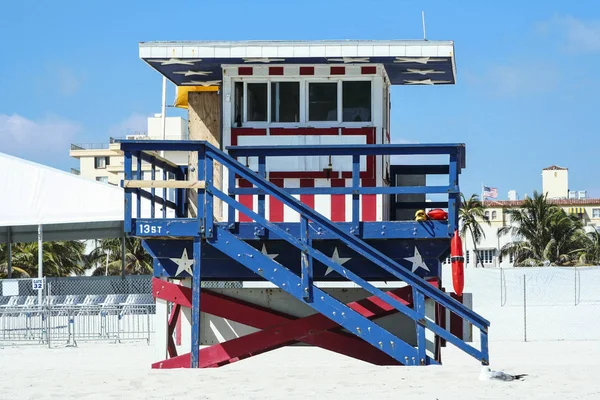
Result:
<point x="65" y="311"/>
<point x="536" y="304"/>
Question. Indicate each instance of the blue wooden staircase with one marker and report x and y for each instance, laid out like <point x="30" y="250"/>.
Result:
<point x="407" y="251"/>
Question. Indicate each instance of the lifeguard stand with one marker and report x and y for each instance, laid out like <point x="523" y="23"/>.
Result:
<point x="284" y="228"/>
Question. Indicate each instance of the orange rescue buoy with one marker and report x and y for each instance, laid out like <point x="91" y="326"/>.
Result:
<point x="458" y="261"/>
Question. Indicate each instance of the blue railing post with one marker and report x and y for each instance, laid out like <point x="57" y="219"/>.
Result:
<point x="355" y="193"/>
<point x="201" y="198"/>
<point x="153" y="190"/>
<point x="419" y="307"/>
<point x="231" y="190"/>
<point x="485" y="359"/>
<point x="453" y="197"/>
<point x="262" y="171"/>
<point x="209" y="201"/>
<point x="164" y="194"/>
<point x="196" y="287"/>
<point x="127" y="164"/>
<point x="306" y="261"/>
<point x="138" y="199"/>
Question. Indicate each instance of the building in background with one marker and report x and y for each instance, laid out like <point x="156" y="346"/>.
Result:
<point x="555" y="182"/>
<point x="104" y="162"/>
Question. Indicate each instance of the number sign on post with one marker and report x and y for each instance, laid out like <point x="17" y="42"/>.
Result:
<point x="37" y="283"/>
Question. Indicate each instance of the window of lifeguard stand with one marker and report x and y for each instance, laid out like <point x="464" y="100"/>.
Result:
<point x="297" y="102"/>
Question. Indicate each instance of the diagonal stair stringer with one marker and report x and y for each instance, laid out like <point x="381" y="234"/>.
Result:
<point x="323" y="303"/>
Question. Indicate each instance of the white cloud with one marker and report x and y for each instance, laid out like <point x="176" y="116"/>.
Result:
<point x="521" y="78"/>
<point x="48" y="136"/>
<point x="576" y="35"/>
<point x="135" y="123"/>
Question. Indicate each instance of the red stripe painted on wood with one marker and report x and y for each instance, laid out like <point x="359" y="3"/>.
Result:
<point x="338" y="202"/>
<point x="245" y="199"/>
<point x="368" y="70"/>
<point x="245" y="71"/>
<point x="307" y="70"/>
<point x="338" y="71"/>
<point x="369" y="202"/>
<point x="456" y="322"/>
<point x="178" y="330"/>
<point x="275" y="70"/>
<point x="237" y="132"/>
<point x="308" y="199"/>
<point x="276" y="206"/>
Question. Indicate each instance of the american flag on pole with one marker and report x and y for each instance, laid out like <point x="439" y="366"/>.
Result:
<point x="490" y="192"/>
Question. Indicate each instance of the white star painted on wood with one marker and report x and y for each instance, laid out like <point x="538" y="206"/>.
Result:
<point x="262" y="60"/>
<point x="350" y="59"/>
<point x="183" y="263"/>
<point x="191" y="73"/>
<point x="264" y="251"/>
<point x="418" y="60"/>
<point x="176" y="61"/>
<point x="424" y="82"/>
<point x="417" y="261"/>
<point x="336" y="259"/>
<point x="422" y="71"/>
<point x="202" y="83"/>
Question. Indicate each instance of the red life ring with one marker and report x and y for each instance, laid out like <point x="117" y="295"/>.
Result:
<point x="457" y="259"/>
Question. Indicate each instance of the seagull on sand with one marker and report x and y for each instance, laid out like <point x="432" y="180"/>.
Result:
<point x="488" y="375"/>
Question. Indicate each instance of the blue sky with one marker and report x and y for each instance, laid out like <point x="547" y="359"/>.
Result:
<point x="526" y="96"/>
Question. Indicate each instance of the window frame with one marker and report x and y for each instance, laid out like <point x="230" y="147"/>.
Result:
<point x="106" y="162"/>
<point x="595" y="209"/>
<point x="304" y="82"/>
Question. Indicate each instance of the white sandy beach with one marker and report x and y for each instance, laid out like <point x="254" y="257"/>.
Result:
<point x="557" y="370"/>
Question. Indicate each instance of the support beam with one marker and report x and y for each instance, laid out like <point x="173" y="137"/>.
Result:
<point x="204" y="123"/>
<point x="123" y="254"/>
<point x="164" y="184"/>
<point x="9" y="247"/>
<point x="40" y="259"/>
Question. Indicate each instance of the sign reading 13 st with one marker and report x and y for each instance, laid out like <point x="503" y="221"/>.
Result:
<point x="147" y="229"/>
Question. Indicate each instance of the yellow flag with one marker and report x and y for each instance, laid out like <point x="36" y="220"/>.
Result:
<point x="181" y="99"/>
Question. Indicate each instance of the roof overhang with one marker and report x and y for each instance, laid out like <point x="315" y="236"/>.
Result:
<point x="407" y="62"/>
<point x="63" y="231"/>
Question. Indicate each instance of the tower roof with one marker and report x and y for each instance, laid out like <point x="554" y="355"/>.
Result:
<point x="407" y="62"/>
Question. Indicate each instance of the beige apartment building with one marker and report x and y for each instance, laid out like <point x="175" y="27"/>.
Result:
<point x="104" y="162"/>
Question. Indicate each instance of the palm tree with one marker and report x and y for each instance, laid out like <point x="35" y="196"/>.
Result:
<point x="137" y="260"/>
<point x="590" y="255"/>
<point x="60" y="258"/>
<point x="546" y="232"/>
<point x="470" y="214"/>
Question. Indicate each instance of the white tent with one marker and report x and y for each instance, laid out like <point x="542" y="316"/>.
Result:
<point x="67" y="206"/>
<point x="39" y="203"/>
